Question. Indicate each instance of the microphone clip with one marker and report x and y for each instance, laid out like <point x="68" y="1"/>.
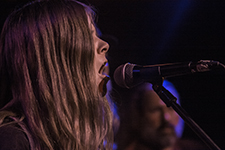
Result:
<point x="164" y="94"/>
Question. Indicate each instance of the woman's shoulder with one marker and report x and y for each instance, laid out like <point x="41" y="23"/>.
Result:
<point x="12" y="137"/>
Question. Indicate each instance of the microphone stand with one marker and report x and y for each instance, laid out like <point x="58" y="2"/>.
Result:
<point x="170" y="100"/>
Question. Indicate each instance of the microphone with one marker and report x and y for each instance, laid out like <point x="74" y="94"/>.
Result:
<point x="130" y="75"/>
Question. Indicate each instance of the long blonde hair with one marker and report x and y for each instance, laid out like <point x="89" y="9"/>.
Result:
<point x="46" y="68"/>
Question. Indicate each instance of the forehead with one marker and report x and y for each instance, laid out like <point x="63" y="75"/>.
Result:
<point x="151" y="99"/>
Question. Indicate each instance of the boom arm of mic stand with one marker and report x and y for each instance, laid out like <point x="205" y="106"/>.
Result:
<point x="170" y="100"/>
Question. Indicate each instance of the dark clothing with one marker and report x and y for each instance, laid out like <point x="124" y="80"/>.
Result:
<point x="13" y="138"/>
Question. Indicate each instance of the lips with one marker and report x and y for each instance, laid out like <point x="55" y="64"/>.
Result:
<point x="102" y="68"/>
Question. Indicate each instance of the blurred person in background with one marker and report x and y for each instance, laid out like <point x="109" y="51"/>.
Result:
<point x="146" y="123"/>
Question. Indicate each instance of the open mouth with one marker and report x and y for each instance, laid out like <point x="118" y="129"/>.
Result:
<point x="103" y="71"/>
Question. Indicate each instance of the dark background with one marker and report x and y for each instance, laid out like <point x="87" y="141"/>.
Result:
<point x="154" y="32"/>
<point x="149" y="32"/>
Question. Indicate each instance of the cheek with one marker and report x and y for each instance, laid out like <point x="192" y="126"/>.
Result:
<point x="153" y="119"/>
<point x="96" y="66"/>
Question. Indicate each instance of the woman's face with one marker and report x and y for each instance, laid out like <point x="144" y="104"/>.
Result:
<point x="101" y="47"/>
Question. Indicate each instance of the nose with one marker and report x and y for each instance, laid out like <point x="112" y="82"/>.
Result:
<point x="103" y="46"/>
<point x="167" y="114"/>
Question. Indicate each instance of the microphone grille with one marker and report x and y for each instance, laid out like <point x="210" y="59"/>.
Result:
<point x="123" y="75"/>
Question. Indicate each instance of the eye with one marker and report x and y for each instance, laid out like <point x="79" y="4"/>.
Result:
<point x="154" y="110"/>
